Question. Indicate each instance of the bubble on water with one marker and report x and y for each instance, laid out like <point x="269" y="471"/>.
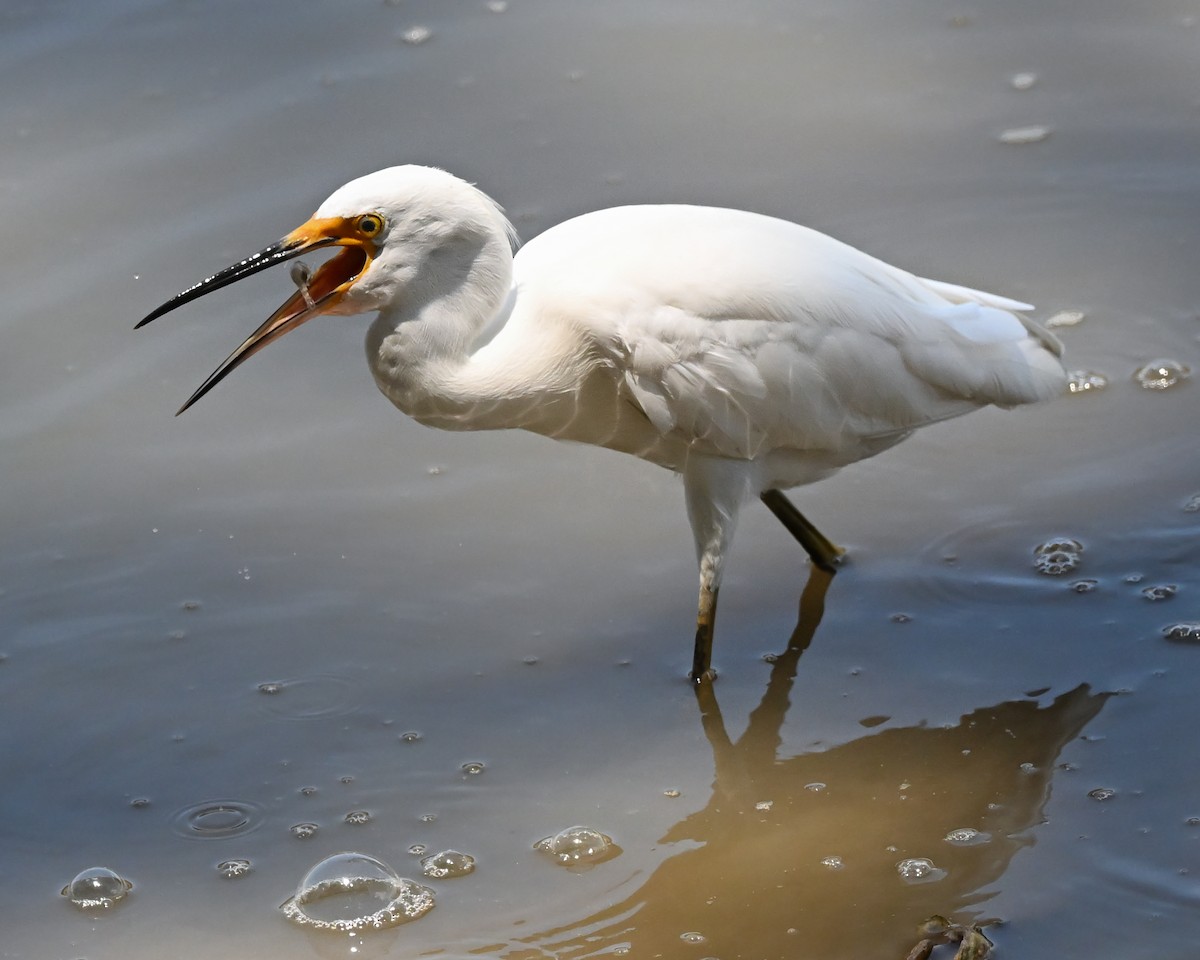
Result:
<point x="1192" y="821"/>
<point x="833" y="863"/>
<point x="415" y="35"/>
<point x="1163" y="591"/>
<point x="578" y="846"/>
<point x="967" y="837"/>
<point x="693" y="936"/>
<point x="427" y="817"/>
<point x="1161" y="374"/>
<point x="304" y="831"/>
<point x="448" y="864"/>
<point x="217" y="819"/>
<point x="473" y="768"/>
<point x="764" y="805"/>
<point x="1191" y="504"/>
<point x="815" y="787"/>
<point x="97" y="888"/>
<point x="673" y="793"/>
<point x="352" y="892"/>
<point x="358" y="817"/>
<point x="919" y="870"/>
<point x="901" y="618"/>
<point x="1102" y="793"/>
<point x="1187" y="631"/>
<point x="1023" y="80"/>
<point x="1085" y="586"/>
<point x="307" y="791"/>
<point x="232" y="869"/>
<point x="1057" y="556"/>
<point x="308" y="698"/>
<point x="770" y="658"/>
<point x="410" y="736"/>
<point x="497" y="6"/>
<point x="190" y="605"/>
<point x="1086" y="381"/>
<point x="1034" y="133"/>
<point x="417" y="849"/>
<point x="139" y="803"/>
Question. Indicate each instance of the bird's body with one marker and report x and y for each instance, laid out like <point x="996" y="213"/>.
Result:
<point x="746" y="353"/>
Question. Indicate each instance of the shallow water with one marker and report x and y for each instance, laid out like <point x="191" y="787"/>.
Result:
<point x="227" y="635"/>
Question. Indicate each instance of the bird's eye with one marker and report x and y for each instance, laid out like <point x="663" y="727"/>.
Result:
<point x="369" y="225"/>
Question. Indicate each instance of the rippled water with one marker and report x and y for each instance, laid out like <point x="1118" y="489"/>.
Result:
<point x="295" y="601"/>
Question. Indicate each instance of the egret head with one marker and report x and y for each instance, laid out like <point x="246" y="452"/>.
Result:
<point x="400" y="229"/>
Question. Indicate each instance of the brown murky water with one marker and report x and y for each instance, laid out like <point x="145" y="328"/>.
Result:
<point x="293" y="607"/>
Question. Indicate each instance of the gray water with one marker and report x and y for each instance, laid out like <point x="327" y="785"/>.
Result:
<point x="526" y="607"/>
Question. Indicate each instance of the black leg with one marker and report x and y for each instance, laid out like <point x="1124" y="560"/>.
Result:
<point x="821" y="549"/>
<point x="706" y="620"/>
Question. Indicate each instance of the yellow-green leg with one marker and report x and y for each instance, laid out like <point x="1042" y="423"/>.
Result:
<point x="823" y="551"/>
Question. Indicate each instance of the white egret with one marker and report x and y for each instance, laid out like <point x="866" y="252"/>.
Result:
<point x="746" y="353"/>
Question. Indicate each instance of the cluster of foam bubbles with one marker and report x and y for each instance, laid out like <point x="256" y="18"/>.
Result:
<point x="1086" y="381"/>
<point x="578" y="846"/>
<point x="967" y="837"/>
<point x="1057" y="556"/>
<point x="1161" y="374"/>
<point x="350" y="892"/>
<point x="97" y="888"/>
<point x="919" y="870"/>
<point x="447" y="865"/>
<point x="232" y="869"/>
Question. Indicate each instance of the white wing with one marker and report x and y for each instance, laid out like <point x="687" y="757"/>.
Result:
<point x="742" y="334"/>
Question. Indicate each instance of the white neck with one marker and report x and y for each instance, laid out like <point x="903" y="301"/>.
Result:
<point x="420" y="345"/>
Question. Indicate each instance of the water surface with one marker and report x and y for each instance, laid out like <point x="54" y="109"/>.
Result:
<point x="227" y="634"/>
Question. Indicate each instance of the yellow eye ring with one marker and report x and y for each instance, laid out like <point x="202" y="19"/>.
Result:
<point x="370" y="224"/>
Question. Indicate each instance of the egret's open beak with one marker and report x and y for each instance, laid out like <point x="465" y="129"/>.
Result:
<point x="318" y="294"/>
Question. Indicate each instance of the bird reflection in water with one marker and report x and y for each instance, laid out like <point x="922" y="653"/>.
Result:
<point x="783" y="870"/>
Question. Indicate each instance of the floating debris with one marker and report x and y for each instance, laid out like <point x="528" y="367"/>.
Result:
<point x="1161" y="374"/>
<point x="350" y="892"/>
<point x="1019" y="136"/>
<point x="97" y="888"/>
<point x="833" y="863"/>
<point x="1065" y="318"/>
<point x="448" y="864"/>
<point x="578" y="846"/>
<point x="1185" y="632"/>
<point x="967" y="837"/>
